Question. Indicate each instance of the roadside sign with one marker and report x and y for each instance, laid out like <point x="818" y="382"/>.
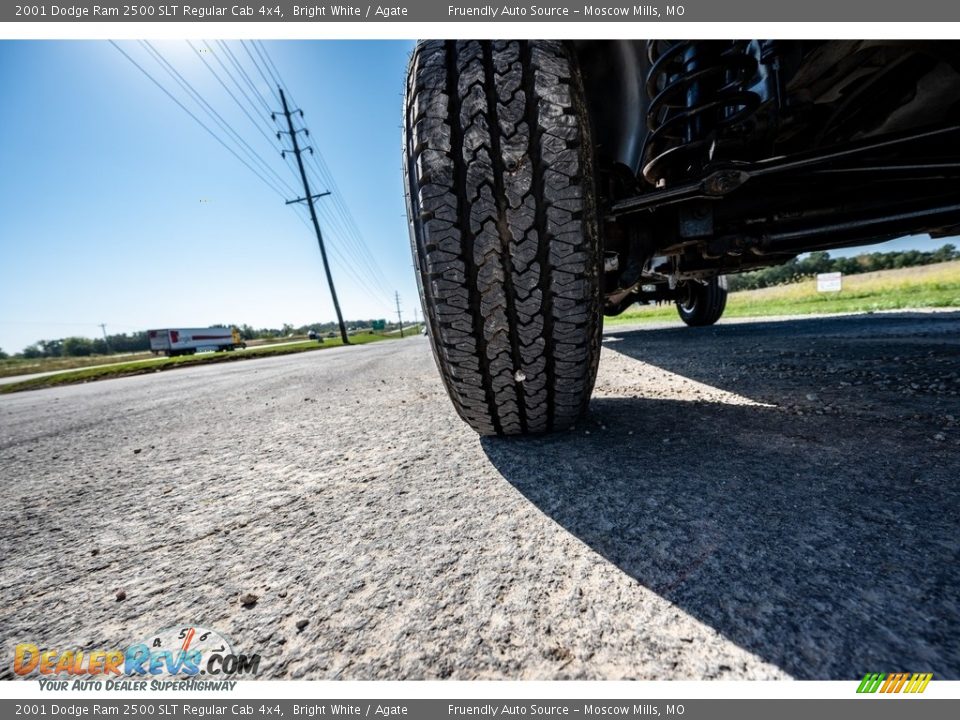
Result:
<point x="829" y="282"/>
<point x="378" y="324"/>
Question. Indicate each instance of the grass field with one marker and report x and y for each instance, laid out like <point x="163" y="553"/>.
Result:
<point x="11" y="367"/>
<point x="928" y="286"/>
<point x="152" y="364"/>
<point x="28" y="366"/>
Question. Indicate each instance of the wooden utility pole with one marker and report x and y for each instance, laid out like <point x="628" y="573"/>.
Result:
<point x="399" y="318"/>
<point x="308" y="198"/>
<point x="103" y="327"/>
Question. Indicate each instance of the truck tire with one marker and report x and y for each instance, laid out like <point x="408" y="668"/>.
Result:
<point x="503" y="228"/>
<point x="702" y="304"/>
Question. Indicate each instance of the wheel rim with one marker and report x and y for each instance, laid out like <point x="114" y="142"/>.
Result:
<point x="688" y="302"/>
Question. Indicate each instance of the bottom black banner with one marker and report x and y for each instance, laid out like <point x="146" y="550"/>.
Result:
<point x="875" y="708"/>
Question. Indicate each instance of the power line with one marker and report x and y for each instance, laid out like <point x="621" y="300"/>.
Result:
<point x="243" y="74"/>
<point x="257" y="66"/>
<point x="273" y="65"/>
<point x="346" y="266"/>
<point x="196" y="119"/>
<point x="351" y="231"/>
<point x="360" y="265"/>
<point x="212" y="112"/>
<point x="226" y="53"/>
<point x="340" y="214"/>
<point x="216" y="56"/>
<point x="276" y="80"/>
<point x="60" y="322"/>
<point x="251" y="118"/>
<point x="340" y="231"/>
<point x="369" y="283"/>
<point x="323" y="208"/>
<point x="350" y="223"/>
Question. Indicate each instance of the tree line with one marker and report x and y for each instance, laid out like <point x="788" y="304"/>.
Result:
<point x="83" y="346"/>
<point x="797" y="270"/>
<point x="140" y="342"/>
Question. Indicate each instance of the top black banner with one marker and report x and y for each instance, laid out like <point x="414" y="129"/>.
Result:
<point x="443" y="11"/>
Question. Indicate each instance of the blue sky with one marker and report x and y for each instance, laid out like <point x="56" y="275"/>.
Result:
<point x="116" y="207"/>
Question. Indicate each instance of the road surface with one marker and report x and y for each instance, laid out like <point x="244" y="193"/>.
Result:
<point x="753" y="500"/>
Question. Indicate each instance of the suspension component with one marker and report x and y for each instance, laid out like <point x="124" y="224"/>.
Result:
<point x="696" y="88"/>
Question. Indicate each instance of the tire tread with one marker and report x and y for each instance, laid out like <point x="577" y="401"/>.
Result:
<point x="503" y="230"/>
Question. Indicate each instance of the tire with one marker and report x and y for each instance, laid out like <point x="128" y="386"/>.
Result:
<point x="503" y="228"/>
<point x="704" y="303"/>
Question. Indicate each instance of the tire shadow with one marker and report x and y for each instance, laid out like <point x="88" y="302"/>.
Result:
<point x="828" y="546"/>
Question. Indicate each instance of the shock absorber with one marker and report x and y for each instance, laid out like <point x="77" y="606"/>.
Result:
<point x="696" y="88"/>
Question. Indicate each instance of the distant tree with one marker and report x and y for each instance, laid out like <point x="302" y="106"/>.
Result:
<point x="134" y="342"/>
<point x="816" y="262"/>
<point x="32" y="352"/>
<point x="51" y="348"/>
<point x="820" y="262"/>
<point x="77" y="347"/>
<point x="946" y="253"/>
<point x="3" y="355"/>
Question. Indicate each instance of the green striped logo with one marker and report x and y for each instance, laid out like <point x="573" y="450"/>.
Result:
<point x="894" y="682"/>
<point x="871" y="682"/>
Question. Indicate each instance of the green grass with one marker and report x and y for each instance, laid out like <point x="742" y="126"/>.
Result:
<point x="929" y="286"/>
<point x="28" y="366"/>
<point x="141" y="367"/>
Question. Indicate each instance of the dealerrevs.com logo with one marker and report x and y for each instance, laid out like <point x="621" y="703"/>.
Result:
<point x="172" y="658"/>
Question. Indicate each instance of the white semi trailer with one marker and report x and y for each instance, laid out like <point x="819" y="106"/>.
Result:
<point x="186" y="341"/>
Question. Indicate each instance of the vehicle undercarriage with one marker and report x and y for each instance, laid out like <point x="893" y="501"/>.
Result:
<point x="743" y="154"/>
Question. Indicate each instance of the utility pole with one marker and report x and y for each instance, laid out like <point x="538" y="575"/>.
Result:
<point x="399" y="318"/>
<point x="103" y="326"/>
<point x="313" y="212"/>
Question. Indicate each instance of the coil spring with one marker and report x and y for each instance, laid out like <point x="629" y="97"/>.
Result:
<point x="695" y="88"/>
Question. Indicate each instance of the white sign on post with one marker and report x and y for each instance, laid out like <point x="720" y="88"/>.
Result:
<point x="829" y="282"/>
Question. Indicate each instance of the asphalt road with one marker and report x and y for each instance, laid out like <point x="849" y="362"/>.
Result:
<point x="753" y="500"/>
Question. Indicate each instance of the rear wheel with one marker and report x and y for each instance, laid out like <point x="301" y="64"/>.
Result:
<point x="702" y="303"/>
<point x="503" y="227"/>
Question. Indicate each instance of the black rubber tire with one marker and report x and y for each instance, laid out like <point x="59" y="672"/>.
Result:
<point x="503" y="228"/>
<point x="705" y="303"/>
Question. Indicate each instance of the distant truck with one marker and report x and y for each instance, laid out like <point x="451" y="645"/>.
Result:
<point x="187" y="341"/>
